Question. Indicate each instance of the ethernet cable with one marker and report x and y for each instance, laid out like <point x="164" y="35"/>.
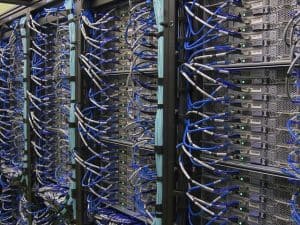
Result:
<point x="140" y="35"/>
<point x="293" y="72"/>
<point x="97" y="118"/>
<point x="11" y="119"/>
<point x="217" y="139"/>
<point x="48" y="115"/>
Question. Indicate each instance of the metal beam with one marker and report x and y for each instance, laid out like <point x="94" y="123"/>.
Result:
<point x="169" y="126"/>
<point x="16" y="2"/>
<point x="80" y="197"/>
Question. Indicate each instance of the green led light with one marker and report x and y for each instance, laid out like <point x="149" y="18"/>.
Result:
<point x="243" y="97"/>
<point x="242" y="143"/>
<point x="242" y="127"/>
<point x="242" y="178"/>
<point x="243" y="81"/>
<point x="243" y="29"/>
<point x="243" y="60"/>
<point x="241" y="209"/>
<point x="240" y="223"/>
<point x="241" y="194"/>
<point x="242" y="158"/>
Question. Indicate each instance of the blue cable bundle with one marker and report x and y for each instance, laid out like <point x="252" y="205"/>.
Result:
<point x="11" y="131"/>
<point x="141" y="36"/>
<point x="48" y="116"/>
<point x="208" y="139"/>
<point x="97" y="118"/>
<point x="291" y="34"/>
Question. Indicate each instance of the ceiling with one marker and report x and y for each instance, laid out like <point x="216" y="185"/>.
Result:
<point x="5" y="7"/>
<point x="17" y="2"/>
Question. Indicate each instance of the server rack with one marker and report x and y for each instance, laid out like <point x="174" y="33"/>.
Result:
<point x="25" y="11"/>
<point x="264" y="169"/>
<point x="173" y="107"/>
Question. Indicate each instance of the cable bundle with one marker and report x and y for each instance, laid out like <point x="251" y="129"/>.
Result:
<point x="291" y="34"/>
<point x="12" y="95"/>
<point x="208" y="139"/>
<point x="49" y="112"/>
<point x="10" y="200"/>
<point x="11" y="132"/>
<point x="98" y="117"/>
<point x="141" y="36"/>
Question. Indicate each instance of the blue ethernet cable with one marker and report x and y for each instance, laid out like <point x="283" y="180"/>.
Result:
<point x="217" y="140"/>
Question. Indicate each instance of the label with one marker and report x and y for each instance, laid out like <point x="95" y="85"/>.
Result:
<point x="253" y="205"/>
<point x="256" y="52"/>
<point x="256" y="106"/>
<point x="256" y="20"/>
<point x="255" y="90"/>
<point x="253" y="152"/>
<point x="255" y="137"/>
<point x="257" y="5"/>
<point x="256" y="36"/>
<point x="256" y="122"/>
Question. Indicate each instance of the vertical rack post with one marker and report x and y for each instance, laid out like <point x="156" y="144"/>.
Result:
<point x="181" y="184"/>
<point x="80" y="207"/>
<point x="159" y="128"/>
<point x="25" y="34"/>
<point x="169" y="110"/>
